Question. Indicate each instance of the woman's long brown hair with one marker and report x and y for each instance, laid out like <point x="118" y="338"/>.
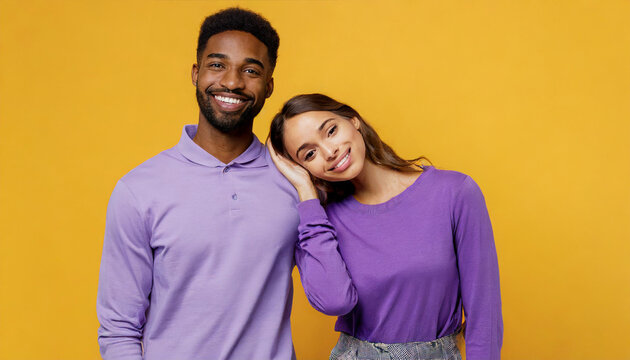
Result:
<point x="376" y="150"/>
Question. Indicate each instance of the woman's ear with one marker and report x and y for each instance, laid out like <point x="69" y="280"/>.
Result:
<point x="355" y="121"/>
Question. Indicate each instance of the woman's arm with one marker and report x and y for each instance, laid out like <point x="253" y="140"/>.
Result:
<point x="478" y="272"/>
<point x="324" y="275"/>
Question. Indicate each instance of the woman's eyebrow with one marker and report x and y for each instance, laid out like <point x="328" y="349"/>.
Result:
<point x="301" y="148"/>
<point x="319" y="129"/>
<point x="324" y="123"/>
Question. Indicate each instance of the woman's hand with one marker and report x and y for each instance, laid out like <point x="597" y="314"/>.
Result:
<point x="297" y="175"/>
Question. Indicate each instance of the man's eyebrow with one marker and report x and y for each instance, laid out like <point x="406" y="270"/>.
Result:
<point x="217" y="55"/>
<point x="247" y="60"/>
<point x="254" y="61"/>
<point x="321" y="127"/>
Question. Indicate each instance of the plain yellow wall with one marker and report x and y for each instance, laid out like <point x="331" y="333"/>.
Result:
<point x="530" y="97"/>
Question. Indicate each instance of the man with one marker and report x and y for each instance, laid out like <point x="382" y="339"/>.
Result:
<point x="199" y="239"/>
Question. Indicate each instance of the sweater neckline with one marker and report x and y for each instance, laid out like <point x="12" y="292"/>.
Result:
<point x="351" y="203"/>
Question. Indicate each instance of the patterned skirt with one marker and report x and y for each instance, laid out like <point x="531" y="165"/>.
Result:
<point x="351" y="348"/>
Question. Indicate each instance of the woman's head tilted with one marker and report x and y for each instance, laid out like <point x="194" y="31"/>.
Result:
<point x="332" y="141"/>
<point x="320" y="134"/>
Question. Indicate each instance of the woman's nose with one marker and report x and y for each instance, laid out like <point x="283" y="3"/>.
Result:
<point x="330" y="151"/>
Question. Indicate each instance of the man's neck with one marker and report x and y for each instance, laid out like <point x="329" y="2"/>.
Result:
<point x="225" y="147"/>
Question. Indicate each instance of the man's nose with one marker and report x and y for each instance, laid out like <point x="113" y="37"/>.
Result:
<point x="233" y="79"/>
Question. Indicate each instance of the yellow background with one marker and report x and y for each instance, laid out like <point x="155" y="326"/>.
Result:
<point x="530" y="97"/>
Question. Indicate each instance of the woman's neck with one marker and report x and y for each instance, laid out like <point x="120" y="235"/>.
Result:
<point x="376" y="184"/>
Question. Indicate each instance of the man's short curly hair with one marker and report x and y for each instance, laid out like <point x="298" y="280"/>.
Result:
<point x="241" y="20"/>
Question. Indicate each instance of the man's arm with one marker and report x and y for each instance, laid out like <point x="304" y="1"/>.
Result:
<point x="125" y="279"/>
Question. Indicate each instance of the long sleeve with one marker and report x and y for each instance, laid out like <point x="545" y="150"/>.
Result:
<point x="324" y="275"/>
<point x="125" y="279"/>
<point x="479" y="273"/>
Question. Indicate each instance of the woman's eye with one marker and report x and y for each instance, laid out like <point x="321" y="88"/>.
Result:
<point x="332" y="130"/>
<point x="309" y="155"/>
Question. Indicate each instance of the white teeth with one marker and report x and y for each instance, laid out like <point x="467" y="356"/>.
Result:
<point x="228" y="99"/>
<point x="343" y="161"/>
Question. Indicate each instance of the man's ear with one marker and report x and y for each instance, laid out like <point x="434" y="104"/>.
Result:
<point x="269" y="88"/>
<point x="194" y="74"/>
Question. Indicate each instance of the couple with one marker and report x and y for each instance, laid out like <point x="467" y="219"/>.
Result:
<point x="201" y="239"/>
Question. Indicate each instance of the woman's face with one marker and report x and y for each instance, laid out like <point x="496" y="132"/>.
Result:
<point x="329" y="146"/>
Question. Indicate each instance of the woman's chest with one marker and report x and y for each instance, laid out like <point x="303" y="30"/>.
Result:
<point x="404" y="247"/>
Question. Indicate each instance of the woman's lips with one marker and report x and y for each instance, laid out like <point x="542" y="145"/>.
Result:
<point x="343" y="163"/>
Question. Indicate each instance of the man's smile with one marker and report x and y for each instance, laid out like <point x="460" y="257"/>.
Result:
<point x="229" y="102"/>
<point x="228" y="99"/>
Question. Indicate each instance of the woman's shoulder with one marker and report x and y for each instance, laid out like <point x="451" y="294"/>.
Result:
<point x="445" y="178"/>
<point x="453" y="184"/>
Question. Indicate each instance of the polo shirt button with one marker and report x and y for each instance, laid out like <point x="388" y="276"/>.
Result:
<point x="234" y="197"/>
<point x="226" y="169"/>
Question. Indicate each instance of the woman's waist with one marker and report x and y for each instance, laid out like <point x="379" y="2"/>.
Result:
<point x="392" y="329"/>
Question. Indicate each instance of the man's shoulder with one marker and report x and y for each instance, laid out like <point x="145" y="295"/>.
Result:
<point x="152" y="168"/>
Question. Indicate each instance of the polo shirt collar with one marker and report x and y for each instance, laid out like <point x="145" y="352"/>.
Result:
<point x="253" y="156"/>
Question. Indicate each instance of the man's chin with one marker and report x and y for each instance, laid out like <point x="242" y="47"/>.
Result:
<point x="228" y="125"/>
<point x="229" y="128"/>
<point x="229" y="122"/>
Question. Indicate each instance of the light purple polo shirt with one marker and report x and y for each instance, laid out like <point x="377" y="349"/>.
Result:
<point x="197" y="258"/>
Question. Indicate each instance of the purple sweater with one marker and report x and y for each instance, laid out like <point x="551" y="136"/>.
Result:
<point x="414" y="262"/>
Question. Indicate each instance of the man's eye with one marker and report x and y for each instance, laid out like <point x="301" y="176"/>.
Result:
<point x="252" y="71"/>
<point x="309" y="155"/>
<point x="332" y="130"/>
<point x="215" y="65"/>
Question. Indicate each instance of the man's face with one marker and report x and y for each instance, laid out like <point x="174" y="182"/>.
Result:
<point x="233" y="78"/>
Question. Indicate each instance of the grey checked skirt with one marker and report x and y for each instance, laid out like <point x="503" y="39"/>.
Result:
<point x="351" y="348"/>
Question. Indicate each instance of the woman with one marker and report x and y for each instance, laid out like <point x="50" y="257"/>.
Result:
<point x="417" y="241"/>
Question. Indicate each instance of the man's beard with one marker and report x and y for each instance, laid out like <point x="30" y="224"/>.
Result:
<point x="225" y="123"/>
